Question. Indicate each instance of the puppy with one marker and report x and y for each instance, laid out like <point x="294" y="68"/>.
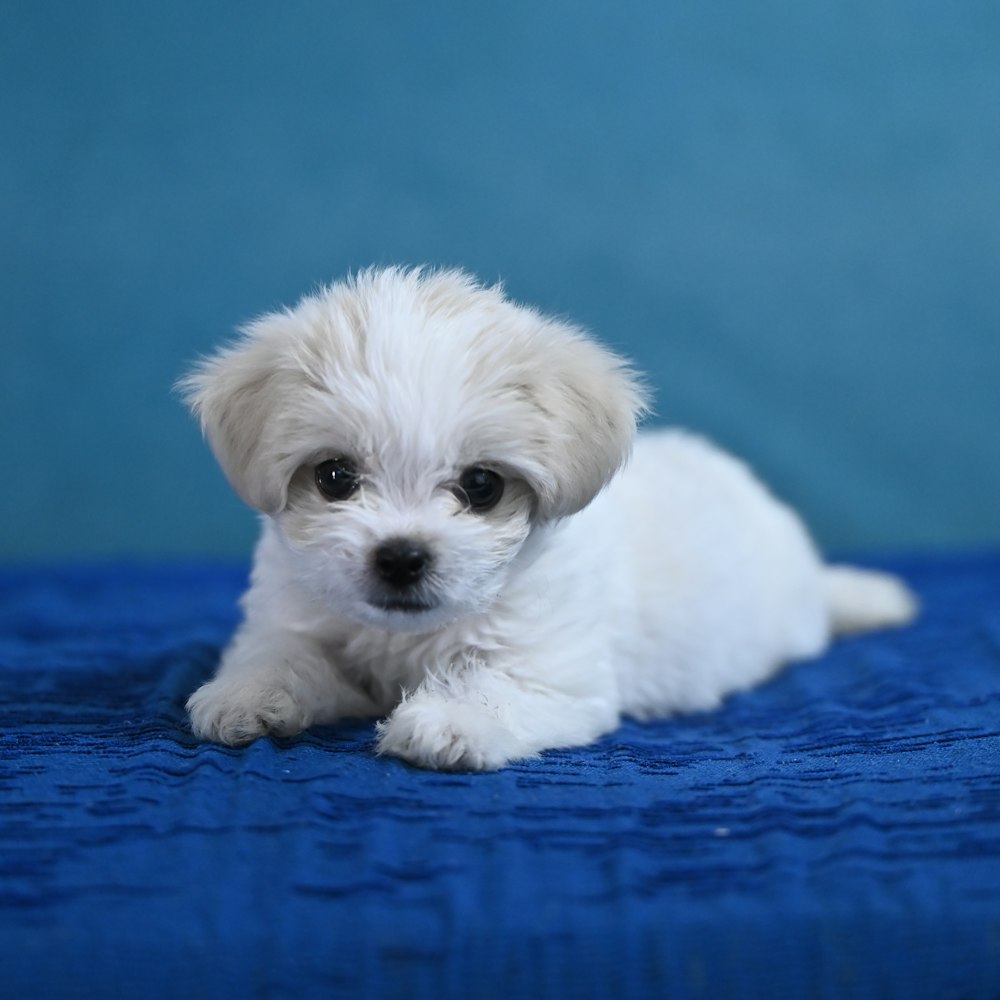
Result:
<point x="449" y="544"/>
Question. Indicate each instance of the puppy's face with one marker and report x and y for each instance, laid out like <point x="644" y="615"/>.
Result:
<point x="406" y="552"/>
<point x="408" y="432"/>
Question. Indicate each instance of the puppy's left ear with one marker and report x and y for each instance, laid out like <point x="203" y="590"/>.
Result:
<point x="590" y="402"/>
<point x="236" y="395"/>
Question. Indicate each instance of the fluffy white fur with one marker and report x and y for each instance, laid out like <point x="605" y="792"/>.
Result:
<point x="584" y="594"/>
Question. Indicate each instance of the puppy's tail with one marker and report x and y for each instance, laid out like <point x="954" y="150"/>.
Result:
<point x="861" y="600"/>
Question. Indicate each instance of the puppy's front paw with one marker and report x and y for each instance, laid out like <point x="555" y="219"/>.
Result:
<point x="448" y="735"/>
<point x="237" y="714"/>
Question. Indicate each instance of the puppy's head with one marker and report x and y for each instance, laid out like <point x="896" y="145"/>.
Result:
<point x="407" y="430"/>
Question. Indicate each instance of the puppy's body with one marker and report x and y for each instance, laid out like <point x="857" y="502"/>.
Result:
<point x="541" y="620"/>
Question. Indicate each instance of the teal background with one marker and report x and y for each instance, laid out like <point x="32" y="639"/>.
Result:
<point x="787" y="213"/>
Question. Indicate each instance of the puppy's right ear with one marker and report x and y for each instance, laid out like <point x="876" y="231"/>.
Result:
<point x="237" y="394"/>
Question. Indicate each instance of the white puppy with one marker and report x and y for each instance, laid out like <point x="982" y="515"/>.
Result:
<point x="440" y="550"/>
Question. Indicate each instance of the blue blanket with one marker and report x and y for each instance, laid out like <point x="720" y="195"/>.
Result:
<point x="836" y="832"/>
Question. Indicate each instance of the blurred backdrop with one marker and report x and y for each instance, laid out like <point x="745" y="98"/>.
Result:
<point x="787" y="213"/>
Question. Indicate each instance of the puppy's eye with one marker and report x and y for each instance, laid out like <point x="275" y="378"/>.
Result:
<point x="483" y="488"/>
<point x="337" y="479"/>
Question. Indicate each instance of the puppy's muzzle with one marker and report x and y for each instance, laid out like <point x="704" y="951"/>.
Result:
<point x="401" y="563"/>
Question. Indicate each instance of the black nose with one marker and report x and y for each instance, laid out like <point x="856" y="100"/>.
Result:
<point x="401" y="562"/>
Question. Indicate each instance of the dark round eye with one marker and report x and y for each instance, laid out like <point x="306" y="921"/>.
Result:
<point x="482" y="487"/>
<point x="337" y="479"/>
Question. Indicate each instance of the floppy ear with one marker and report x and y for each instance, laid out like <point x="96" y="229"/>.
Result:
<point x="237" y="395"/>
<point x="589" y="402"/>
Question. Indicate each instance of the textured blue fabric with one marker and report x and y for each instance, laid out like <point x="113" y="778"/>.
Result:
<point x="836" y="832"/>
